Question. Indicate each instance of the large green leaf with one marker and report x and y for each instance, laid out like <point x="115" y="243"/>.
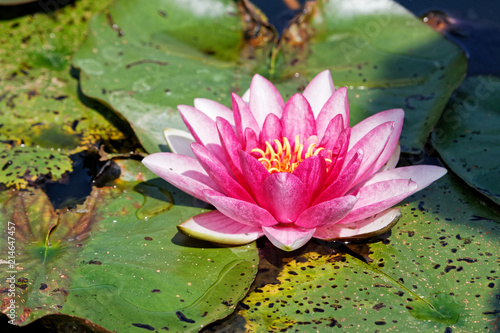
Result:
<point x="468" y="133"/>
<point x="103" y="264"/>
<point x="143" y="59"/>
<point x="42" y="117"/>
<point x="437" y="272"/>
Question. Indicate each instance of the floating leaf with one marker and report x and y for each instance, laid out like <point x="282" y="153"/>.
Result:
<point x="42" y="118"/>
<point x="104" y="265"/>
<point x="467" y="135"/>
<point x="145" y="59"/>
<point x="436" y="272"/>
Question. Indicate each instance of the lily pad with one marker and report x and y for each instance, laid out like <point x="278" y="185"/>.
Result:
<point x="43" y="118"/>
<point x="467" y="135"/>
<point x="103" y="264"/>
<point x="436" y="272"/>
<point x="144" y="59"/>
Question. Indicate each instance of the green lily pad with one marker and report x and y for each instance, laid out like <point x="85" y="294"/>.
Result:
<point x="144" y="59"/>
<point x="104" y="265"/>
<point x="436" y="272"/>
<point x="43" y="118"/>
<point x="467" y="135"/>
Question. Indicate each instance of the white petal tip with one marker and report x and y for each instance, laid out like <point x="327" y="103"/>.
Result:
<point x="288" y="238"/>
<point x="216" y="228"/>
<point x="179" y="141"/>
<point x="362" y="229"/>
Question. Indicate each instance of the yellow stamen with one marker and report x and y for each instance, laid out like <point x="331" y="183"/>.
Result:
<point x="283" y="159"/>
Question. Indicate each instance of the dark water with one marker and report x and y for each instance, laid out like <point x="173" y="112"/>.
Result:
<point x="473" y="25"/>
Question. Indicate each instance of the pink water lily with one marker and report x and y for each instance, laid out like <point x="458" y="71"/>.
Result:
<point x="290" y="171"/>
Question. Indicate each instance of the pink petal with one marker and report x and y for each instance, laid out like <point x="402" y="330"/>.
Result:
<point x="339" y="152"/>
<point x="365" y="228"/>
<point x="271" y="130"/>
<point x="328" y="212"/>
<point x="255" y="174"/>
<point x="220" y="174"/>
<point x="298" y="119"/>
<point x="264" y="99"/>
<point x="372" y="144"/>
<point x="202" y="128"/>
<point x="423" y="175"/>
<point x="239" y="210"/>
<point x="332" y="131"/>
<point x="319" y="90"/>
<point x="344" y="181"/>
<point x="365" y="126"/>
<point x="288" y="237"/>
<point x="214" y="109"/>
<point x="246" y="96"/>
<point x="379" y="196"/>
<point x="285" y="195"/>
<point x="231" y="146"/>
<point x="183" y="172"/>
<point x="243" y="117"/>
<point x="215" y="227"/>
<point x="312" y="172"/>
<point x="199" y="124"/>
<point x="393" y="160"/>
<point x="336" y="105"/>
<point x="179" y="141"/>
<point x="250" y="140"/>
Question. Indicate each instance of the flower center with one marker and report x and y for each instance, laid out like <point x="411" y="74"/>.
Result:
<point x="282" y="158"/>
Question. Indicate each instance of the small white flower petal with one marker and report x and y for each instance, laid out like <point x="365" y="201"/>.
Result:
<point x="179" y="141"/>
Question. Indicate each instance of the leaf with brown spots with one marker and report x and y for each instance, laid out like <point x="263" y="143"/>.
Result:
<point x="413" y="291"/>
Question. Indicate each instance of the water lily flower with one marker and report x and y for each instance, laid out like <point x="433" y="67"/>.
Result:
<point x="290" y="171"/>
